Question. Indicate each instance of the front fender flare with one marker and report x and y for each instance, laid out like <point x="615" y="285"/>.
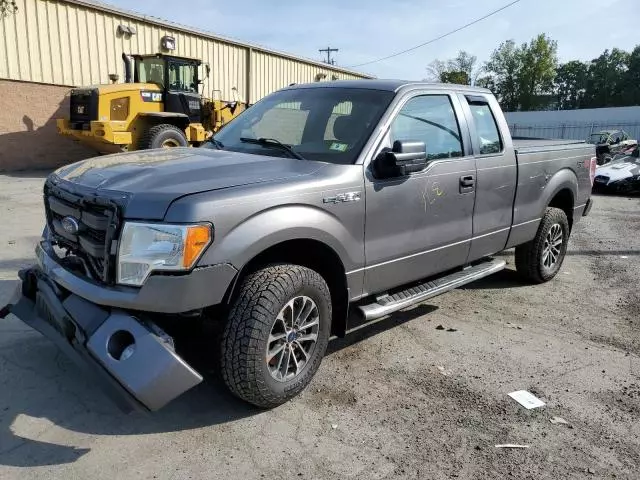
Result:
<point x="279" y="224"/>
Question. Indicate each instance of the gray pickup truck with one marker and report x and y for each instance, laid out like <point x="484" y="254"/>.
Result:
<point x="369" y="196"/>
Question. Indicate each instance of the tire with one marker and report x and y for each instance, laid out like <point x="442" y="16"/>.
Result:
<point x="163" y="136"/>
<point x="265" y="297"/>
<point x="532" y="263"/>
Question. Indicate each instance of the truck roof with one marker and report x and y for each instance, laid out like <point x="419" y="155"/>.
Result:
<point x="390" y="85"/>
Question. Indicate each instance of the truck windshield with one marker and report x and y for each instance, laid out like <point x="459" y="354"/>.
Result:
<point x="326" y="124"/>
<point x="151" y="70"/>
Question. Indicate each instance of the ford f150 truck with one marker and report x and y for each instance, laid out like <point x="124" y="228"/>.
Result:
<point x="368" y="196"/>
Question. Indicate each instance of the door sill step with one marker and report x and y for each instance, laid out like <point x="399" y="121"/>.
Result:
<point x="389" y="303"/>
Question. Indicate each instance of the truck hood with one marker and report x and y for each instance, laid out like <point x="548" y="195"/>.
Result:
<point x="145" y="183"/>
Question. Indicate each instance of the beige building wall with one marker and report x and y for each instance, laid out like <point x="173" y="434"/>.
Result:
<point x="74" y="42"/>
<point x="49" y="46"/>
<point x="29" y="138"/>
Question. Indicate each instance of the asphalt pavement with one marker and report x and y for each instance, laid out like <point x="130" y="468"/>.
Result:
<point x="399" y="399"/>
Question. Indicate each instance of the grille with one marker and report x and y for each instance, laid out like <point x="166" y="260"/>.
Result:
<point x="601" y="179"/>
<point x="83" y="108"/>
<point x="96" y="223"/>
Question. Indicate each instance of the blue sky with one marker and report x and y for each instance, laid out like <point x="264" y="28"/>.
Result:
<point x="367" y="29"/>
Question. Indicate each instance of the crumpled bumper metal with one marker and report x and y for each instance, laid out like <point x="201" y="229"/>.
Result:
<point x="133" y="361"/>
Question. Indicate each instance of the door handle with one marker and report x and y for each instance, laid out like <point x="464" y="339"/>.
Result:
<point x="467" y="181"/>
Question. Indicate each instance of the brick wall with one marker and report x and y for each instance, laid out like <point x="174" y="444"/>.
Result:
<point x="28" y="135"/>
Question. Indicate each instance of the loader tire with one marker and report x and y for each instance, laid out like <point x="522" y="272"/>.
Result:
<point x="280" y="310"/>
<point x="163" y="136"/>
<point x="539" y="260"/>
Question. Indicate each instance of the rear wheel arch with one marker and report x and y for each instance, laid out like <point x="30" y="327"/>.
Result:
<point x="562" y="193"/>
<point x="564" y="200"/>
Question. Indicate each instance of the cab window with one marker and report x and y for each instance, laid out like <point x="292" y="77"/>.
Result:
<point x="151" y="70"/>
<point x="486" y="128"/>
<point x="432" y="120"/>
<point x="182" y="77"/>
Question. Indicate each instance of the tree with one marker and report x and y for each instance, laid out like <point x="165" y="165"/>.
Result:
<point x="503" y="68"/>
<point x="538" y="63"/>
<point x="632" y="78"/>
<point x="606" y="80"/>
<point x="458" y="77"/>
<point x="571" y="84"/>
<point x="461" y="70"/>
<point x="437" y="69"/>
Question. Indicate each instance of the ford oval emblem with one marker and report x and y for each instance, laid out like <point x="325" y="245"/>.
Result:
<point x="70" y="225"/>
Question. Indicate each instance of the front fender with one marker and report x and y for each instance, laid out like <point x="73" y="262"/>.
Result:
<point x="282" y="223"/>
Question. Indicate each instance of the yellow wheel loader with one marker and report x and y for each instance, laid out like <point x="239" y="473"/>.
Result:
<point x="159" y="106"/>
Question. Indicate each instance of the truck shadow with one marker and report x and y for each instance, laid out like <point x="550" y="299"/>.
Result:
<point x="38" y="382"/>
<point x="506" y="278"/>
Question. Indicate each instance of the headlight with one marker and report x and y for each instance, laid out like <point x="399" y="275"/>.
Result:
<point x="145" y="247"/>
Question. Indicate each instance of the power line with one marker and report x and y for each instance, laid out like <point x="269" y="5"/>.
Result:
<point x="438" y="38"/>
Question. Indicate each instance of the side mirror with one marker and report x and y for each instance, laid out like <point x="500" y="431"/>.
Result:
<point x="404" y="158"/>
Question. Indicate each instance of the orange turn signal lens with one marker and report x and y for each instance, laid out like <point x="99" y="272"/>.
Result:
<point x="198" y="238"/>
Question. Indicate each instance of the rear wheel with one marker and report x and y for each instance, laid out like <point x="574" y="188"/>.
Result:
<point x="163" y="136"/>
<point x="276" y="334"/>
<point x="540" y="260"/>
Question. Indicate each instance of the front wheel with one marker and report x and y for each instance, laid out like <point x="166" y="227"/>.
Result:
<point x="540" y="260"/>
<point x="276" y="334"/>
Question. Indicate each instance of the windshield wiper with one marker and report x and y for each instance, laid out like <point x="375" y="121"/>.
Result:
<point x="217" y="143"/>
<point x="271" y="143"/>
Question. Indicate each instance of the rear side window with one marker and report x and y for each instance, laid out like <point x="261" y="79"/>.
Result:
<point x="432" y="120"/>
<point x="486" y="128"/>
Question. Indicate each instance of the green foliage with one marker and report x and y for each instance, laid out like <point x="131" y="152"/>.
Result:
<point x="605" y="82"/>
<point x="611" y="80"/>
<point x="461" y="70"/>
<point x="503" y="70"/>
<point x="528" y="77"/>
<point x="461" y="78"/>
<point x="571" y="84"/>
<point x="522" y="76"/>
<point x="631" y="83"/>
<point x="538" y="63"/>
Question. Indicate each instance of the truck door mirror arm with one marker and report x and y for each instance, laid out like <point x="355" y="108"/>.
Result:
<point x="404" y="158"/>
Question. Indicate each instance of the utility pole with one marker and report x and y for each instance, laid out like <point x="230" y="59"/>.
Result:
<point x="329" y="60"/>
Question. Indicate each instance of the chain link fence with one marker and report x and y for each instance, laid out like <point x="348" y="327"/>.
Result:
<point x="572" y="131"/>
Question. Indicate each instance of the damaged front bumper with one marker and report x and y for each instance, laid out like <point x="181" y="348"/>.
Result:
<point x="131" y="359"/>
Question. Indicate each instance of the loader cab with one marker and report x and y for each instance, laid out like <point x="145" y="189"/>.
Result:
<point x="177" y="78"/>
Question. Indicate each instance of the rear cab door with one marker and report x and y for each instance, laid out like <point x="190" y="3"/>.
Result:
<point x="497" y="174"/>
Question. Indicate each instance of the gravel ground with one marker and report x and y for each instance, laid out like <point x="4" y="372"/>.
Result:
<point x="400" y="399"/>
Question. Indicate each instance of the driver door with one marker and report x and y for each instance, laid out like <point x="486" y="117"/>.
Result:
<point x="421" y="224"/>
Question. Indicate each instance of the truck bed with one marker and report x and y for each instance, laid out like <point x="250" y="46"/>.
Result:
<point x="528" y="145"/>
